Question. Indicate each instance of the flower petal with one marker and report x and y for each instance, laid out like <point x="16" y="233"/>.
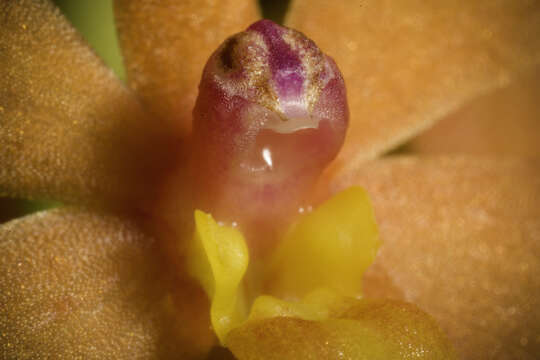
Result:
<point x="218" y="258"/>
<point x="76" y="284"/>
<point x="330" y="247"/>
<point x="378" y="330"/>
<point x="408" y="63"/>
<point x="461" y="239"/>
<point x="166" y="44"/>
<point x="63" y="115"/>
<point x="505" y="122"/>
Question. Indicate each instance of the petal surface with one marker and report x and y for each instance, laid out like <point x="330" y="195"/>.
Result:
<point x="408" y="63"/>
<point x="69" y="130"/>
<point x="329" y="247"/>
<point x="166" y="44"/>
<point x="461" y="239"/>
<point x="379" y="330"/>
<point x="76" y="284"/>
<point x="504" y="122"/>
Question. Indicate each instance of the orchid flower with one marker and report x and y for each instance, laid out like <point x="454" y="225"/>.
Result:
<point x="106" y="277"/>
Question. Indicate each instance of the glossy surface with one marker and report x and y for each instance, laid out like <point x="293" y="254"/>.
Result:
<point x="271" y="114"/>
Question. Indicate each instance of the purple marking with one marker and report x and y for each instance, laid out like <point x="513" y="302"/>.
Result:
<point x="286" y="67"/>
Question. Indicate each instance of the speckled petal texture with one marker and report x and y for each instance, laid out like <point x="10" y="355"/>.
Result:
<point x="408" y="63"/>
<point x="166" y="44"/>
<point x="76" y="285"/>
<point x="386" y="330"/>
<point x="504" y="122"/>
<point x="461" y="239"/>
<point x="64" y="117"/>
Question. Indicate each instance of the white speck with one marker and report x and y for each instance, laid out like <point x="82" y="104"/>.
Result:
<point x="267" y="156"/>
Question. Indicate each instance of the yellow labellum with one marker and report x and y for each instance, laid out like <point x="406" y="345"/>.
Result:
<point x="330" y="247"/>
<point x="218" y="260"/>
<point x="321" y="260"/>
<point x="318" y="305"/>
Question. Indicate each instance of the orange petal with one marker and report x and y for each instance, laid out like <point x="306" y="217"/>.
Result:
<point x="76" y="284"/>
<point x="166" y="44"/>
<point x="504" y="122"/>
<point x="69" y="130"/>
<point x="379" y="330"/>
<point x="461" y="239"/>
<point x="408" y="63"/>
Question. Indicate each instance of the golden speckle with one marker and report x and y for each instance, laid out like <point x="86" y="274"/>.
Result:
<point x="108" y="285"/>
<point x="50" y="77"/>
<point x="24" y="27"/>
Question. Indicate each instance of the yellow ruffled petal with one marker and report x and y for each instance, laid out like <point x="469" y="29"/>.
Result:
<point x="320" y="304"/>
<point x="328" y="248"/>
<point x="218" y="260"/>
<point x="339" y="237"/>
<point x="266" y="307"/>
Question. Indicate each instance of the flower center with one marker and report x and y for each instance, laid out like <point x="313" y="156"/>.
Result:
<point x="320" y="259"/>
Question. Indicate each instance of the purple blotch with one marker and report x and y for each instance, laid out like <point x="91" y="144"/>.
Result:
<point x="285" y="65"/>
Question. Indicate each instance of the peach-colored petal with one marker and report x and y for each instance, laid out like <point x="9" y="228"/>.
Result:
<point x="504" y="122"/>
<point x="76" y="284"/>
<point x="408" y="63"/>
<point x="379" y="330"/>
<point x="166" y="44"/>
<point x="461" y="239"/>
<point x="64" y="117"/>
